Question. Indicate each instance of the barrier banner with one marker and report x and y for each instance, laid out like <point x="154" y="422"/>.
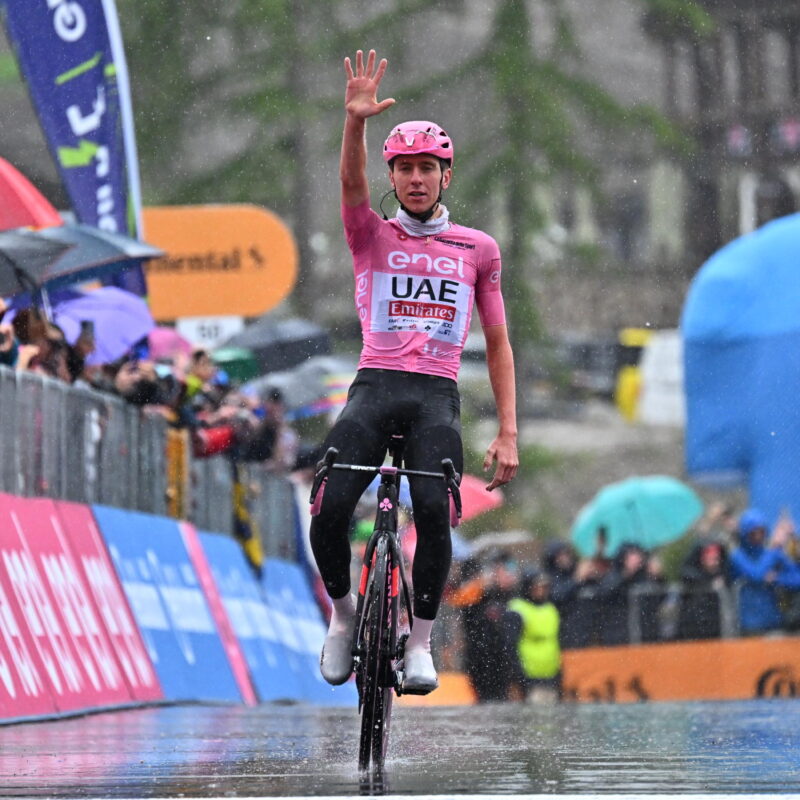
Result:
<point x="24" y="683"/>
<point x="109" y="600"/>
<point x="719" y="669"/>
<point x="226" y="631"/>
<point x="270" y="666"/>
<point x="55" y="604"/>
<point x="301" y="630"/>
<point x="169" y="605"/>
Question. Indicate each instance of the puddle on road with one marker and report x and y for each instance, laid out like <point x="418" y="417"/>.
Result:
<point x="195" y="751"/>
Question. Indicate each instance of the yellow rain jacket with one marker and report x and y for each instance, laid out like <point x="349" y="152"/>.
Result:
<point x="538" y="648"/>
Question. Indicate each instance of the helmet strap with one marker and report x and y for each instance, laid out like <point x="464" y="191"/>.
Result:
<point x="423" y="216"/>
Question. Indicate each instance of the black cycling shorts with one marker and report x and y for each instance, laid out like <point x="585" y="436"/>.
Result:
<point x="426" y="411"/>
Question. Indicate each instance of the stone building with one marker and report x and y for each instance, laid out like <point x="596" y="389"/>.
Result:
<point x="737" y="89"/>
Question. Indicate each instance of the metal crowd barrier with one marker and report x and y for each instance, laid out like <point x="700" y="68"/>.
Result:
<point x="651" y="612"/>
<point x="73" y="443"/>
<point x="665" y="613"/>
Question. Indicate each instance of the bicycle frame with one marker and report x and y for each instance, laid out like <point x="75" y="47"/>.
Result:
<point x="385" y="528"/>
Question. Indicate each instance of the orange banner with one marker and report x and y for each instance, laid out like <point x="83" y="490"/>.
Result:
<point x="730" y="669"/>
<point x="231" y="260"/>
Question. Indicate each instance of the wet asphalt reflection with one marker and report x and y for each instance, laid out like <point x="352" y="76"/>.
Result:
<point x="195" y="751"/>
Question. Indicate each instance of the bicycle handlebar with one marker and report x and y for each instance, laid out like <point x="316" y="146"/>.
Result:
<point x="328" y="463"/>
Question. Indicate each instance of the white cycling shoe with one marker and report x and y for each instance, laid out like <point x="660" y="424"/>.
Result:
<point x="336" y="660"/>
<point x="419" y="674"/>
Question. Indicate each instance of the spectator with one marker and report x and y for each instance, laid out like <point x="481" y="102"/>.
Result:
<point x="9" y="347"/>
<point x="598" y="565"/>
<point x="704" y="575"/>
<point x="613" y="594"/>
<point x="483" y="596"/>
<point x="284" y="441"/>
<point x="762" y="570"/>
<point x="534" y="626"/>
<point x="574" y="607"/>
<point x="78" y="353"/>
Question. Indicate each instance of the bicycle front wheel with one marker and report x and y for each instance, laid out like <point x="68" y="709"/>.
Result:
<point x="376" y="697"/>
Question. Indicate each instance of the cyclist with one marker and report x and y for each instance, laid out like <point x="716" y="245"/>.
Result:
<point x="416" y="277"/>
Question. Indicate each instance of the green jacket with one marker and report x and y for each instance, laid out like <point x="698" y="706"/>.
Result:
<point x="538" y="648"/>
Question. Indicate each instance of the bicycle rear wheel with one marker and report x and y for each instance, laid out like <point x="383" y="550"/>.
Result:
<point x="376" y="691"/>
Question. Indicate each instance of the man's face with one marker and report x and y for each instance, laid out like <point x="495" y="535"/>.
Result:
<point x="416" y="179"/>
<point x="205" y="368"/>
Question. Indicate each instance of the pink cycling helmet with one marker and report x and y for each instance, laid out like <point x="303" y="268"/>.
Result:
<point x="416" y="138"/>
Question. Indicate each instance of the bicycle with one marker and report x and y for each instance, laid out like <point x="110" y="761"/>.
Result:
<point x="377" y="650"/>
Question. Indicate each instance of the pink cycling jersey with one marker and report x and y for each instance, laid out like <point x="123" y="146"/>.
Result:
<point x="414" y="294"/>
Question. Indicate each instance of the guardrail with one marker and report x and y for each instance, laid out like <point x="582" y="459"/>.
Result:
<point x="650" y="612"/>
<point x="71" y="443"/>
<point x="667" y="613"/>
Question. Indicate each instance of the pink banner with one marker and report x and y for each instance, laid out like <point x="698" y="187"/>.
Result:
<point x="54" y="603"/>
<point x="108" y="599"/>
<point x="226" y="632"/>
<point x="24" y="685"/>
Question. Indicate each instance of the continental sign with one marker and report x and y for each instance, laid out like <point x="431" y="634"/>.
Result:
<point x="731" y="669"/>
<point x="232" y="260"/>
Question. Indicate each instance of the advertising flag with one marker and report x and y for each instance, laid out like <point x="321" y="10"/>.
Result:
<point x="71" y="57"/>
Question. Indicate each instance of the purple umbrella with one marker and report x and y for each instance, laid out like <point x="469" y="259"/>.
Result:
<point x="120" y="319"/>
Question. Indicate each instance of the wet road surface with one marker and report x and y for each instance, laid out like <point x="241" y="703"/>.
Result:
<point x="744" y="747"/>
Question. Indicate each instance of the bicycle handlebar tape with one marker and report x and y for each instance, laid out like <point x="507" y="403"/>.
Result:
<point x="316" y="497"/>
<point x="320" y="479"/>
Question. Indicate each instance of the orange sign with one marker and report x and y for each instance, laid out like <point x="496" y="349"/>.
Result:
<point x="237" y="260"/>
<point x="718" y="669"/>
<point x="722" y="669"/>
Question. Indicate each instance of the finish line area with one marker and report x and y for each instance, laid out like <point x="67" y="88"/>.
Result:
<point x="647" y="750"/>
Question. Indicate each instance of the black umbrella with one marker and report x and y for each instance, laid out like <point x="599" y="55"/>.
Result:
<point x="94" y="253"/>
<point x="25" y="258"/>
<point x="281" y="344"/>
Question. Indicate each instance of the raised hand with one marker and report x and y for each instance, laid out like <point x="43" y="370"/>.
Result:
<point x="361" y="94"/>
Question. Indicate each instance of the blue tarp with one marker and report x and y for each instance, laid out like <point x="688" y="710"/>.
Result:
<point x="741" y="330"/>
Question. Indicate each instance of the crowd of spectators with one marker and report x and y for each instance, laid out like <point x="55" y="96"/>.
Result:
<point x="517" y="617"/>
<point x="188" y="391"/>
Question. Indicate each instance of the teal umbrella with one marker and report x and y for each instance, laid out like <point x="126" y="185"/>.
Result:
<point x="648" y="511"/>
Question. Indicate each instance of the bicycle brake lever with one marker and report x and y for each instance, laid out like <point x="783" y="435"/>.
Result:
<point x="453" y="479"/>
<point x="323" y="468"/>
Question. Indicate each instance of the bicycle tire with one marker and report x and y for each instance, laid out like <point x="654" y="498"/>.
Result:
<point x="376" y="702"/>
